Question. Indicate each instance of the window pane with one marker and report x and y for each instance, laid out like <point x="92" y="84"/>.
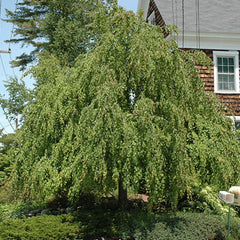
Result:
<point x="231" y="86"/>
<point x="219" y="61"/>
<point x="225" y="78"/>
<point x="231" y="61"/>
<point x="220" y="78"/>
<point x="220" y="86"/>
<point x="226" y="82"/>
<point x="231" y="69"/>
<point x="225" y="69"/>
<point x="231" y="78"/>
<point x="225" y="86"/>
<point x="225" y="61"/>
<point x="220" y="69"/>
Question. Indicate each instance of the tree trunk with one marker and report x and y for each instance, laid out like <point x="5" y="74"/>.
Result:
<point x="122" y="194"/>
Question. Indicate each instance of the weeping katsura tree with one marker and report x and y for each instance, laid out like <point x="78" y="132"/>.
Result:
<point x="131" y="113"/>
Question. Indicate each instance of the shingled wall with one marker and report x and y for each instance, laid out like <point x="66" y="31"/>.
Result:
<point x="229" y="101"/>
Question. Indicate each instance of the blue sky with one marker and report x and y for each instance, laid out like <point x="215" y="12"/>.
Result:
<point x="129" y="4"/>
<point x="6" y="33"/>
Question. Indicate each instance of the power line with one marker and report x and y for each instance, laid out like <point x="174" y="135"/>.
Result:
<point x="183" y="23"/>
<point x="13" y="23"/>
<point x="174" y="17"/>
<point x="173" y="14"/>
<point x="4" y="128"/>
<point x="8" y="119"/>
<point x="197" y="7"/>
<point x="11" y="36"/>
<point x="4" y="70"/>
<point x="176" y="10"/>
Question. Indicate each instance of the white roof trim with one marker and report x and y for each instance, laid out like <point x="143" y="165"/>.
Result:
<point x="218" y="41"/>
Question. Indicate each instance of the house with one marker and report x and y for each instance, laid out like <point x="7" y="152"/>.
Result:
<point x="213" y="27"/>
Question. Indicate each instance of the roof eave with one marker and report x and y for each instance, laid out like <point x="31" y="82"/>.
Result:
<point x="218" y="41"/>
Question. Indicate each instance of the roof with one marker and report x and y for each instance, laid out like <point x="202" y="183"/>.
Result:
<point x="215" y="16"/>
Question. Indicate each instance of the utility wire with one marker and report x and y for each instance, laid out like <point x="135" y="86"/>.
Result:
<point x="4" y="128"/>
<point x="9" y="121"/>
<point x="173" y="14"/>
<point x="4" y="70"/>
<point x="11" y="36"/>
<point x="183" y="23"/>
<point x="13" y="23"/>
<point x="197" y="7"/>
<point x="176" y="10"/>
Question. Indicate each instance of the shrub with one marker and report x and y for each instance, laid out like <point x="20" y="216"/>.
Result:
<point x="190" y="226"/>
<point x="40" y="228"/>
<point x="94" y="223"/>
<point x="235" y="228"/>
<point x="205" y="199"/>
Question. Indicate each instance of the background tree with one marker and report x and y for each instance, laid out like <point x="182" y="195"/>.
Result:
<point x="59" y="26"/>
<point x="7" y="141"/>
<point x="19" y="96"/>
<point x="131" y="110"/>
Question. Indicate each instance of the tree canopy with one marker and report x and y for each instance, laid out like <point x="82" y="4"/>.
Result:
<point x="132" y="111"/>
<point x="59" y="26"/>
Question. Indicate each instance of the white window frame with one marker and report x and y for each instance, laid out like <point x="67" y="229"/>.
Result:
<point x="235" y="55"/>
<point x="152" y="19"/>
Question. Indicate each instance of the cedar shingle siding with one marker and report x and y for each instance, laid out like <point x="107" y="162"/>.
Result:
<point x="231" y="101"/>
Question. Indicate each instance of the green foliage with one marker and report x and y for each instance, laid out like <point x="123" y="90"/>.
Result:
<point x="111" y="224"/>
<point x="40" y="227"/>
<point x="234" y="228"/>
<point x="19" y="96"/>
<point x="210" y="198"/>
<point x="5" y="162"/>
<point x="5" y="212"/>
<point x="132" y="109"/>
<point x="205" y="199"/>
<point x="59" y="26"/>
<point x="182" y="226"/>
<point x="7" y="141"/>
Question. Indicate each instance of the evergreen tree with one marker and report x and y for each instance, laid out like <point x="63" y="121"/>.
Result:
<point x="59" y="26"/>
<point x="132" y="110"/>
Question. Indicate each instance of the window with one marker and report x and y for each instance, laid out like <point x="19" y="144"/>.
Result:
<point x="151" y="19"/>
<point x="226" y="72"/>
